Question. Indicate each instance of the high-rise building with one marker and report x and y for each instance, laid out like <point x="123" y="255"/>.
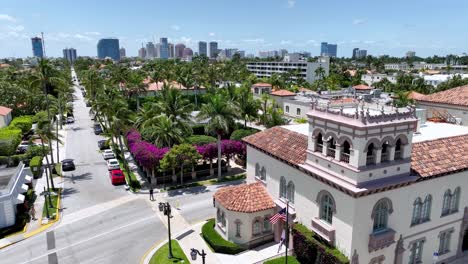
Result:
<point x="69" y="54"/>
<point x="283" y="52"/>
<point x="150" y="50"/>
<point x="142" y="52"/>
<point x="359" y="53"/>
<point x="329" y="50"/>
<point x="163" y="48"/>
<point x="202" y="48"/>
<point x="213" y="49"/>
<point x="410" y="54"/>
<point x="179" y="50"/>
<point x="171" y="50"/>
<point x="157" y="49"/>
<point x="355" y="50"/>
<point x="37" y="47"/>
<point x="187" y="53"/>
<point x="122" y="52"/>
<point x="108" y="48"/>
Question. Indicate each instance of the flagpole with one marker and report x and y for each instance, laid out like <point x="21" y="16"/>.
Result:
<point x="287" y="231"/>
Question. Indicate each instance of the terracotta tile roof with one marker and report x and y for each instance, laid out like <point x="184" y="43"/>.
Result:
<point x="343" y="101"/>
<point x="281" y="143"/>
<point x="415" y="95"/>
<point x="261" y="85"/>
<point x="245" y="198"/>
<point x="429" y="158"/>
<point x="4" y="110"/>
<point x="454" y="96"/>
<point x="362" y="87"/>
<point x="352" y="73"/>
<point x="282" y="93"/>
<point x="440" y="156"/>
<point x="306" y="90"/>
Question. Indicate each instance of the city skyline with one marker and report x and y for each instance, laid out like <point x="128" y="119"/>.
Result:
<point x="246" y="26"/>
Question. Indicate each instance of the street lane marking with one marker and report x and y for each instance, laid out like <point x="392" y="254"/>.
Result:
<point x="52" y="258"/>
<point x="50" y="240"/>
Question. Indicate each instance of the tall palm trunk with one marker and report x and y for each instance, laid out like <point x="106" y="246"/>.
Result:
<point x="182" y="174"/>
<point x="56" y="129"/>
<point x="219" y="156"/>
<point x="48" y="164"/>
<point x="48" y="127"/>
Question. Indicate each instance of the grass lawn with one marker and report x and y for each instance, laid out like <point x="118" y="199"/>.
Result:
<point x="52" y="211"/>
<point x="281" y="260"/>
<point x="160" y="257"/>
<point x="130" y="177"/>
<point x="240" y="176"/>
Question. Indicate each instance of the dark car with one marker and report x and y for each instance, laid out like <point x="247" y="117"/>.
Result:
<point x="97" y="129"/>
<point x="68" y="165"/>
<point x="103" y="144"/>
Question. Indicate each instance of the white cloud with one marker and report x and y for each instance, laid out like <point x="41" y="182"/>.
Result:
<point x="311" y="41"/>
<point x="256" y="40"/>
<point x="286" y="42"/>
<point x="175" y="27"/>
<point x="6" y="17"/>
<point x="359" y="21"/>
<point x="15" y="28"/>
<point x="81" y="37"/>
<point x="211" y="34"/>
<point x="92" y="33"/>
<point x="291" y="3"/>
<point x="369" y="41"/>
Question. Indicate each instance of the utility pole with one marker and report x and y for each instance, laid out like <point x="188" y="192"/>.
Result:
<point x="166" y="208"/>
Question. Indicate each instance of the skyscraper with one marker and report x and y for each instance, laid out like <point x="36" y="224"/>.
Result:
<point x="355" y="50"/>
<point x="187" y="53"/>
<point x="213" y="49"/>
<point x="328" y="49"/>
<point x="122" y="53"/>
<point x="37" y="47"/>
<point x="202" y="48"/>
<point x="150" y="50"/>
<point x="179" y="50"/>
<point x="108" y="48"/>
<point x="69" y="54"/>
<point x="171" y="50"/>
<point x="142" y="52"/>
<point x="163" y="48"/>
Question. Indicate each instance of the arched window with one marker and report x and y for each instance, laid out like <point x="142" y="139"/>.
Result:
<point x="257" y="170"/>
<point x="218" y="215"/>
<point x="455" y="200"/>
<point x="385" y="148"/>
<point x="287" y="109"/>
<point x="263" y="174"/>
<point x="426" y="210"/>
<point x="282" y="187"/>
<point x="257" y="227"/>
<point x="346" y="152"/>
<point x="319" y="143"/>
<point x="331" y="147"/>
<point x="238" y="227"/>
<point x="370" y="157"/>
<point x="290" y="194"/>
<point x="223" y="219"/>
<point x="398" y="154"/>
<point x="447" y="202"/>
<point x="298" y="111"/>
<point x="326" y="208"/>
<point x="417" y="208"/>
<point x="380" y="214"/>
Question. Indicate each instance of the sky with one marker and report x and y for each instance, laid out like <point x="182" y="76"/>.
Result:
<point x="382" y="27"/>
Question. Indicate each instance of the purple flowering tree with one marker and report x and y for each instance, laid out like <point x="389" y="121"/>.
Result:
<point x="230" y="148"/>
<point x="208" y="152"/>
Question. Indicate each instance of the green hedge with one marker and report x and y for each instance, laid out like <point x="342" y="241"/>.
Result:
<point x="35" y="165"/>
<point x="241" y="133"/>
<point x="309" y="248"/>
<point x="22" y="122"/>
<point x="281" y="260"/>
<point x="198" y="129"/>
<point x="200" y="140"/>
<point x="13" y="160"/>
<point x="216" y="242"/>
<point x="36" y="151"/>
<point x="9" y="141"/>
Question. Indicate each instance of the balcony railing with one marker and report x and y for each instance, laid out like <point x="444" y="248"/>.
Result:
<point x="324" y="230"/>
<point x="370" y="160"/>
<point x="384" y="157"/>
<point x="331" y="152"/>
<point x="319" y="148"/>
<point x="381" y="239"/>
<point x="397" y="154"/>
<point x="345" y="157"/>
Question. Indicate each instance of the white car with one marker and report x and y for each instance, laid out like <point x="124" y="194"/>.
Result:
<point x="108" y="154"/>
<point x="113" y="164"/>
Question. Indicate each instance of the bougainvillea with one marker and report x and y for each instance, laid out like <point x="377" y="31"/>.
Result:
<point x="133" y="136"/>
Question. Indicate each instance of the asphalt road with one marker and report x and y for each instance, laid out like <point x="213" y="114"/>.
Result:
<point x="101" y="223"/>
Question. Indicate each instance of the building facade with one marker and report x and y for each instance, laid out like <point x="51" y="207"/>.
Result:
<point x="171" y="50"/>
<point x="202" y="48"/>
<point x="187" y="53"/>
<point x="370" y="79"/>
<point x="122" y="53"/>
<point x="108" y="48"/>
<point x="142" y="53"/>
<point x="69" y="54"/>
<point x="213" y="49"/>
<point x="327" y="49"/>
<point x="179" y="50"/>
<point x="37" y="48"/>
<point x="163" y="48"/>
<point x="306" y="70"/>
<point x="5" y="116"/>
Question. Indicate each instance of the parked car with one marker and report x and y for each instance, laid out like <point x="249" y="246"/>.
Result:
<point x="117" y="177"/>
<point x="108" y="154"/>
<point x="103" y="144"/>
<point x="97" y="129"/>
<point x="22" y="149"/>
<point x="70" y="120"/>
<point x="68" y="165"/>
<point x="113" y="164"/>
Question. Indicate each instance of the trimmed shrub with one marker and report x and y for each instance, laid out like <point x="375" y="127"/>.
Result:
<point x="200" y="140"/>
<point x="35" y="164"/>
<point x="198" y="129"/>
<point x="36" y="151"/>
<point x="216" y="242"/>
<point x="22" y="122"/>
<point x="42" y="115"/>
<point x="281" y="260"/>
<point x="309" y="249"/>
<point x="239" y="134"/>
<point x="301" y="120"/>
<point x="9" y="141"/>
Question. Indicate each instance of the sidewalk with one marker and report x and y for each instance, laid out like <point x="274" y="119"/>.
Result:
<point x="38" y="225"/>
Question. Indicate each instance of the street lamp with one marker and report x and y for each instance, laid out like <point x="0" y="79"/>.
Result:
<point x="195" y="252"/>
<point x="166" y="208"/>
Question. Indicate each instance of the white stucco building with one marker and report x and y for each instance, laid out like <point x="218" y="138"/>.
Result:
<point x="365" y="182"/>
<point x="5" y="116"/>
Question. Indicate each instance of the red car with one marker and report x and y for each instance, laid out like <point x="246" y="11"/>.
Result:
<point x="117" y="177"/>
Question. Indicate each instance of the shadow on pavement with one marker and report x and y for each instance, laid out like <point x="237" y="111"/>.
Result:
<point x="68" y="191"/>
<point x="81" y="177"/>
<point x="192" y="190"/>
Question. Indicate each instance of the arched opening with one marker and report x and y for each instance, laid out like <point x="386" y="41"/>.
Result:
<point x="331" y="147"/>
<point x="282" y="187"/>
<point x="398" y="154"/>
<point x="287" y="109"/>
<point x="465" y="241"/>
<point x="326" y="208"/>
<point x="381" y="212"/>
<point x="346" y="152"/>
<point x="385" y="150"/>
<point x="290" y="192"/>
<point x="370" y="157"/>
<point x="319" y="143"/>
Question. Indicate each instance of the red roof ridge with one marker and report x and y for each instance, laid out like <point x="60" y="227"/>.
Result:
<point x="245" y="198"/>
<point x="4" y="110"/>
<point x="283" y="92"/>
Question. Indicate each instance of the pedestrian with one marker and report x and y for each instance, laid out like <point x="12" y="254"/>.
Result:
<point x="283" y="237"/>
<point x="33" y="213"/>
<point x="151" y="194"/>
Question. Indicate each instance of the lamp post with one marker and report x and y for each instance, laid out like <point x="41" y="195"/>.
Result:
<point x="166" y="208"/>
<point x="195" y="252"/>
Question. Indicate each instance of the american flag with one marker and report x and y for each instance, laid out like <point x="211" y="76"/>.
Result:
<point x="280" y="215"/>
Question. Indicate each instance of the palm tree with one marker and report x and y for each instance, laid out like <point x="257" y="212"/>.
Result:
<point x="221" y="115"/>
<point x="165" y="132"/>
<point x="172" y="103"/>
<point x="135" y="86"/>
<point x="248" y="106"/>
<point x="45" y="133"/>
